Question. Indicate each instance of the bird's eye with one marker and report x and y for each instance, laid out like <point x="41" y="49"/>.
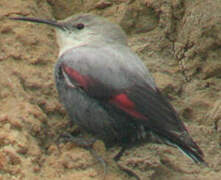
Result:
<point x="80" y="26"/>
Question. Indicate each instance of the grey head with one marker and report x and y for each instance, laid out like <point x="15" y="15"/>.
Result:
<point x="83" y="29"/>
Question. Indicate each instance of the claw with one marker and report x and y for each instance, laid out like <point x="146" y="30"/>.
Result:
<point x="119" y="154"/>
<point x="80" y="141"/>
<point x="100" y="159"/>
<point x="129" y="171"/>
<point x="87" y="144"/>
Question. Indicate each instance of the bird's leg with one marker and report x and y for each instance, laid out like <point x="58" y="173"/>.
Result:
<point x="99" y="159"/>
<point x="129" y="171"/>
<point x="123" y="168"/>
<point x="119" y="154"/>
<point x="80" y="141"/>
<point x="87" y="144"/>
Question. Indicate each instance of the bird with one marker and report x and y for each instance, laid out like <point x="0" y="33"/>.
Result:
<point x="108" y="91"/>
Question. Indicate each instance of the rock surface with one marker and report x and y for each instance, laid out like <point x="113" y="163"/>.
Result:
<point x="179" y="40"/>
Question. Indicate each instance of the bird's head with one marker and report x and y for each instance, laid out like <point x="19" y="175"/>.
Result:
<point x="82" y="29"/>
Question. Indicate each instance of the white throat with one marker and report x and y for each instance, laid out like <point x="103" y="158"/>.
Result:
<point x="68" y="40"/>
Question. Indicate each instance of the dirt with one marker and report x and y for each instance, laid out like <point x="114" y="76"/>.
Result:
<point x="180" y="42"/>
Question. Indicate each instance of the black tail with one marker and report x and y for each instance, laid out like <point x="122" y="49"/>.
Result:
<point x="186" y="145"/>
<point x="193" y="152"/>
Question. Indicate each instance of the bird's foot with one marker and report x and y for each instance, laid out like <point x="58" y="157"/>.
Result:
<point x="80" y="141"/>
<point x="129" y="171"/>
<point x="86" y="143"/>
<point x="99" y="159"/>
<point x="119" y="154"/>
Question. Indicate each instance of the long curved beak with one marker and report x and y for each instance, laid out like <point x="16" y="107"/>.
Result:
<point x="42" y="21"/>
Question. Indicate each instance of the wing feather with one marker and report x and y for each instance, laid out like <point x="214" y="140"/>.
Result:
<point x="105" y="75"/>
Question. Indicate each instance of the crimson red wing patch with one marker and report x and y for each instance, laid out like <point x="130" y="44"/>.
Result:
<point x="124" y="103"/>
<point x="96" y="89"/>
<point x="76" y="76"/>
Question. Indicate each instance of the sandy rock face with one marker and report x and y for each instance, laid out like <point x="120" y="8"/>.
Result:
<point x="179" y="40"/>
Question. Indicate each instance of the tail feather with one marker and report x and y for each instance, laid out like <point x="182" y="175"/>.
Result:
<point x="194" y="153"/>
<point x="186" y="145"/>
<point x="193" y="156"/>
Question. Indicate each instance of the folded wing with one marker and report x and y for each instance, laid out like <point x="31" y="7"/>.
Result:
<point x="109" y="78"/>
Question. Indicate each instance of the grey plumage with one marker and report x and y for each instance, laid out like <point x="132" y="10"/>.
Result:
<point x="107" y="90"/>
